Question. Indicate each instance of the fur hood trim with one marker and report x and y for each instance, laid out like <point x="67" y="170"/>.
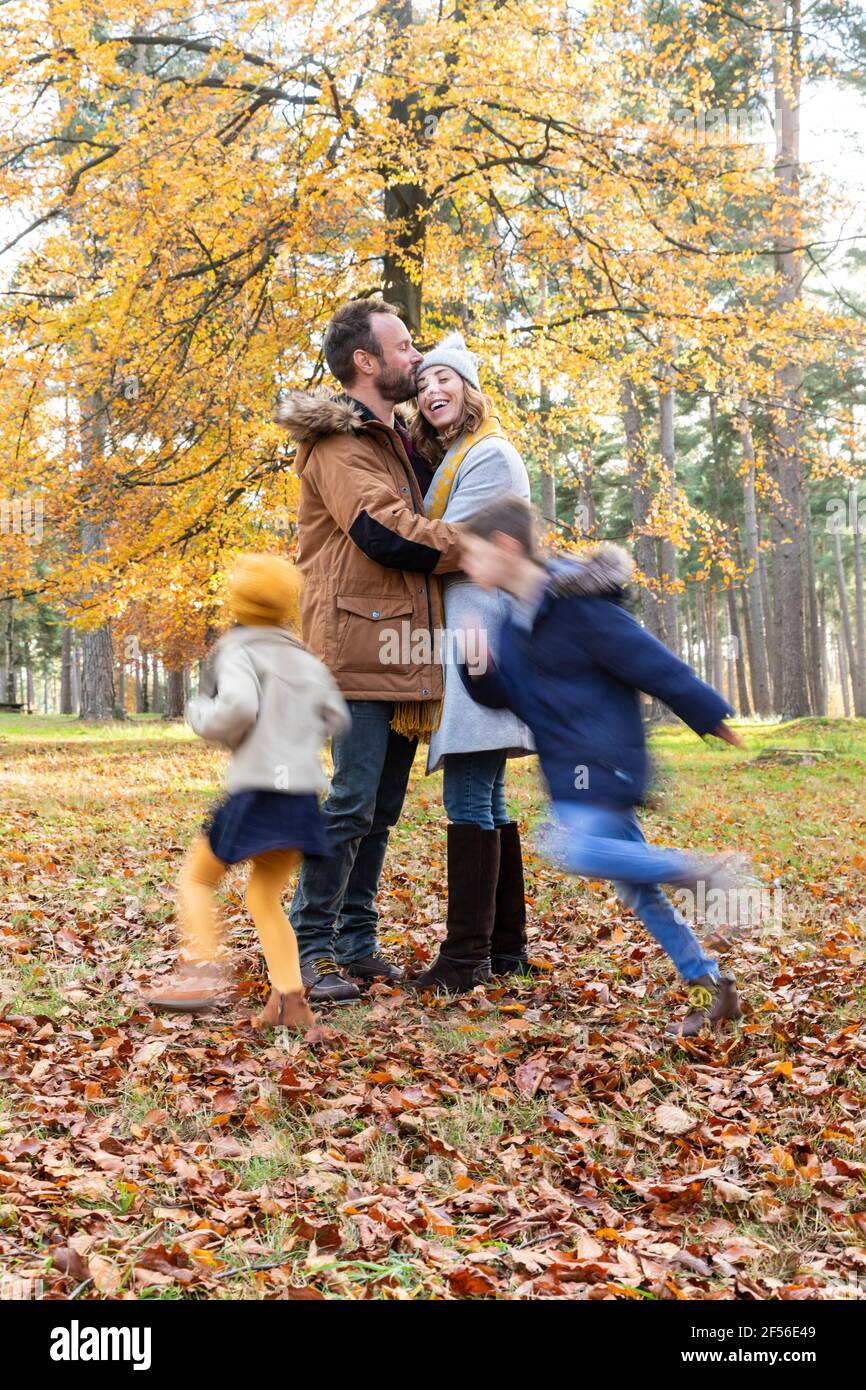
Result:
<point x="605" y="568"/>
<point x="312" y="415"/>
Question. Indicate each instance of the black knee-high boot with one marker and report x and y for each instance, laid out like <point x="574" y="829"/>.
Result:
<point x="508" y="941"/>
<point x="473" y="870"/>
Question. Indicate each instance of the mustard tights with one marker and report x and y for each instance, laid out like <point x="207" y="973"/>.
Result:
<point x="269" y="874"/>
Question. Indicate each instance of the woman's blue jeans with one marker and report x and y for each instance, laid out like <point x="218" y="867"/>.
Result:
<point x="607" y="842"/>
<point x="474" y="788"/>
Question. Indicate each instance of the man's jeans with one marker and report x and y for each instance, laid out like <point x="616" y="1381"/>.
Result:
<point x="333" y="910"/>
<point x="607" y="842"/>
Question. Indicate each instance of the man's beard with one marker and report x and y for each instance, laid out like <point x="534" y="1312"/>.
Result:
<point x="397" y="384"/>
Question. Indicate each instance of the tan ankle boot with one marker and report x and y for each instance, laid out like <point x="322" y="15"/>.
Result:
<point x="194" y="988"/>
<point x="711" y="1002"/>
<point x="285" y="1011"/>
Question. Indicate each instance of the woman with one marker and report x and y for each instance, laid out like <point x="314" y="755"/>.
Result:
<point x="456" y="432"/>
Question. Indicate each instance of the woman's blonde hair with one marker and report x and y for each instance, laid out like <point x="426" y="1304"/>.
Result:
<point x="432" y="446"/>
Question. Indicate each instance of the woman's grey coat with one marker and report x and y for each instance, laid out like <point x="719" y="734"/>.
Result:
<point x="491" y="468"/>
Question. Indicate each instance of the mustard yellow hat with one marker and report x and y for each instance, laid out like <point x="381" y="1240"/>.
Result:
<point x="264" y="591"/>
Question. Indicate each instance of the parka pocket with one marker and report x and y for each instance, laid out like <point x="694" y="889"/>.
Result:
<point x="373" y="633"/>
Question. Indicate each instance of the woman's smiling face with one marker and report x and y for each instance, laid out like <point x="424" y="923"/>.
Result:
<point x="440" y="397"/>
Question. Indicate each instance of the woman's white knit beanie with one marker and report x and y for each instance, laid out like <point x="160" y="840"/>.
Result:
<point x="452" y="352"/>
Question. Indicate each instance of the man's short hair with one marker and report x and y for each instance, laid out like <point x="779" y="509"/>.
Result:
<point x="509" y="515"/>
<point x="351" y="329"/>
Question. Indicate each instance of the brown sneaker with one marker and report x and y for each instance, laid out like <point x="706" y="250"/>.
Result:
<point x="711" y="1002"/>
<point x="194" y="988"/>
<point x="285" y="1011"/>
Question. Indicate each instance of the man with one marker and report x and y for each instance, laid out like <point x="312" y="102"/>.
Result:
<point x="368" y="555"/>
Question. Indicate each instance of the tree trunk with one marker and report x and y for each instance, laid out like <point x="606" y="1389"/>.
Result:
<point x="667" y="551"/>
<point x="816" y="684"/>
<point x="646" y="557"/>
<point x="67" y="704"/>
<point x="121" y="690"/>
<point x="706" y="648"/>
<point x="174" y="698"/>
<point x="548" y="493"/>
<point x="406" y="204"/>
<point x="76" y="675"/>
<point x="728" y="660"/>
<point x="770" y="594"/>
<point x="845" y="621"/>
<point x="548" y="477"/>
<point x="825" y="649"/>
<point x="9" y="651"/>
<point x="738" y="655"/>
<point x="97" y="650"/>
<point x="97" y="674"/>
<point x="718" y="663"/>
<point x="843" y="675"/>
<point x="584" y="491"/>
<point x="756" y="632"/>
<point x="644" y="545"/>
<point x="689" y="626"/>
<point x="710" y="629"/>
<point x="859" y="604"/>
<point x="701" y="634"/>
<point x="745" y="627"/>
<point x="785" y="417"/>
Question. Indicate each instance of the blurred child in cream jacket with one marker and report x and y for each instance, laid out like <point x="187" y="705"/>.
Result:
<point x="269" y="700"/>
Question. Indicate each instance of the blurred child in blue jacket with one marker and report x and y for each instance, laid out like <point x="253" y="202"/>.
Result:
<point x="570" y="662"/>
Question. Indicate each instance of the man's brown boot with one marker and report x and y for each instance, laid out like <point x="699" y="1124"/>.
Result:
<point x="711" y="1002"/>
<point x="285" y="1011"/>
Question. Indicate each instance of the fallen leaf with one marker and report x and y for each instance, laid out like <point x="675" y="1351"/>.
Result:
<point x="670" y="1119"/>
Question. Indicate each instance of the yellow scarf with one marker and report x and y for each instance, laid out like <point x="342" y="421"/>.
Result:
<point x="490" y="426"/>
<point x="419" y="718"/>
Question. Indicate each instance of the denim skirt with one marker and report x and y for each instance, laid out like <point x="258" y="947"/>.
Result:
<point x="253" y="822"/>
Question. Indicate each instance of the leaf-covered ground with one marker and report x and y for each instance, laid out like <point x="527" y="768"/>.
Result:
<point x="535" y="1141"/>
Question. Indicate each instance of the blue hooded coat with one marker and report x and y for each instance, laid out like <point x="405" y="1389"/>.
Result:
<point x="574" y="678"/>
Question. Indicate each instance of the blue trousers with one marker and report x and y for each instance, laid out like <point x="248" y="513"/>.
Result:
<point x="333" y="909"/>
<point x="607" y="842"/>
<point x="473" y="788"/>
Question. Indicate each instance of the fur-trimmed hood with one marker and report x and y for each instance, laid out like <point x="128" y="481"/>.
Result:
<point x="604" y="568"/>
<point x="312" y="415"/>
